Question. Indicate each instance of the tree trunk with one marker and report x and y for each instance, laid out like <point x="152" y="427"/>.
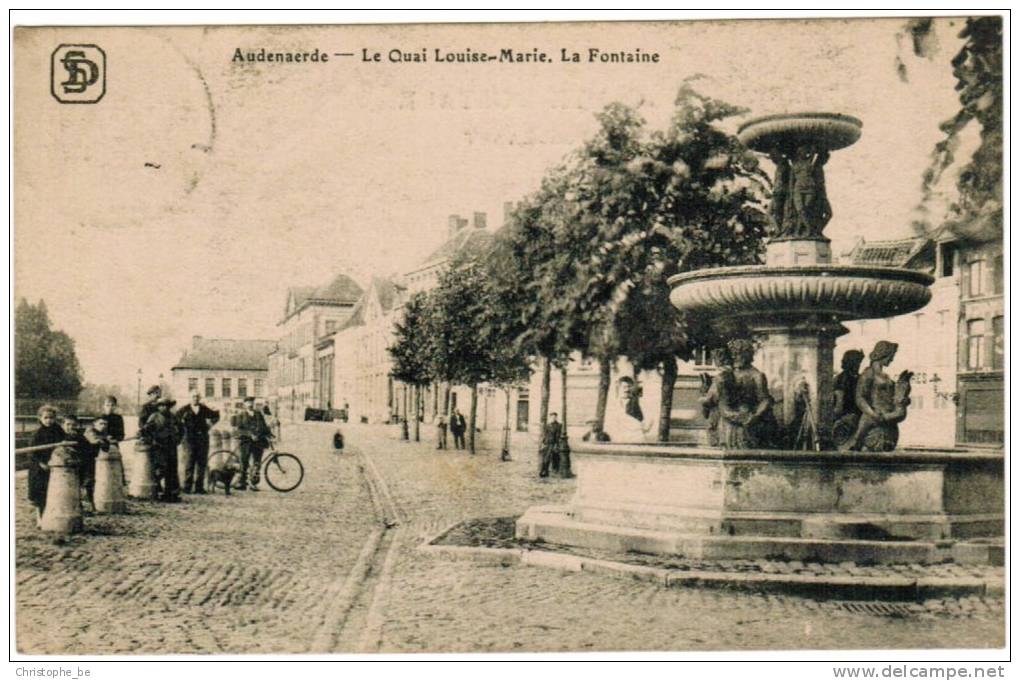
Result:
<point x="403" y="422"/>
<point x="547" y="375"/>
<point x="417" y="409"/>
<point x="605" y="370"/>
<point x="505" y="453"/>
<point x="563" y="464"/>
<point x="543" y="408"/>
<point x="474" y="417"/>
<point x="669" y="373"/>
<point x="446" y="398"/>
<point x="435" y="401"/>
<point x="563" y="397"/>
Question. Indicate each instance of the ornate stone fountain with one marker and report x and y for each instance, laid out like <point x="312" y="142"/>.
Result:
<point x="918" y="506"/>
<point x="797" y="302"/>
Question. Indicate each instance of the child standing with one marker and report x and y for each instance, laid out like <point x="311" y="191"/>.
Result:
<point x="86" y="457"/>
<point x="114" y="421"/>
<point x="49" y="433"/>
<point x="97" y="438"/>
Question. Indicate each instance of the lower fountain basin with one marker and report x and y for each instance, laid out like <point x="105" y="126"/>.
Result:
<point x="843" y="292"/>
<point x="912" y="507"/>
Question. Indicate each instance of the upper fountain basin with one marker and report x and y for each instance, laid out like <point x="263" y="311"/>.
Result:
<point x="789" y="131"/>
<point x="772" y="293"/>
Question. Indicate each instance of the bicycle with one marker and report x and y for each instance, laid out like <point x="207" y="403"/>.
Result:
<point x="282" y="471"/>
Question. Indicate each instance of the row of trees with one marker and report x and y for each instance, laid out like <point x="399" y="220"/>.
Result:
<point x="582" y="265"/>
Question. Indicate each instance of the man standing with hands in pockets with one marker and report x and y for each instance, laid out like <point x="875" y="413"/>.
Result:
<point x="195" y="420"/>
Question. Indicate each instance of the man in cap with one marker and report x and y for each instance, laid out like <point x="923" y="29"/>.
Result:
<point x="163" y="432"/>
<point x="195" y="420"/>
<point x="253" y="436"/>
<point x="149" y="407"/>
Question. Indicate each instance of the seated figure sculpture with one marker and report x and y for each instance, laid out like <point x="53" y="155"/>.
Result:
<point x="883" y="403"/>
<point x="745" y="404"/>
<point x="846" y="413"/>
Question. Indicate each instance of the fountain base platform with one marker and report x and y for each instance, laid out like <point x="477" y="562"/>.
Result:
<point x="898" y="507"/>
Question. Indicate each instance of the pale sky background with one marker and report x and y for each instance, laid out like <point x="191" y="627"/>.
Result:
<point x="278" y="175"/>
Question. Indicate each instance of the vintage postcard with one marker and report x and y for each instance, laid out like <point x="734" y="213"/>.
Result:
<point x="504" y="338"/>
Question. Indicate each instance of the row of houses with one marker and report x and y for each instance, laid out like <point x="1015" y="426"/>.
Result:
<point x="332" y="350"/>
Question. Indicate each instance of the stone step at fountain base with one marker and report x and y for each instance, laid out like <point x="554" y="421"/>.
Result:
<point x="873" y="526"/>
<point x="559" y="525"/>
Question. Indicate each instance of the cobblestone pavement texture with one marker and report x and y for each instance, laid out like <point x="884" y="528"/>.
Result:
<point x="317" y="570"/>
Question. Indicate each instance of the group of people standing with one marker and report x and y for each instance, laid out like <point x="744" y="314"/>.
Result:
<point x="105" y="430"/>
<point x="163" y="431"/>
<point x="457" y="426"/>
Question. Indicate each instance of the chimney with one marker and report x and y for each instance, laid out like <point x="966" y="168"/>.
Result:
<point x="479" y="220"/>
<point x="454" y="223"/>
<point x="195" y="340"/>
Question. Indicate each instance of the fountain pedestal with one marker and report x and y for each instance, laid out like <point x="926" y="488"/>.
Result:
<point x="902" y="507"/>
<point x="803" y="355"/>
<point x="798" y="252"/>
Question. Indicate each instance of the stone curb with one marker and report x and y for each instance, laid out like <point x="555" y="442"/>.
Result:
<point x="836" y="587"/>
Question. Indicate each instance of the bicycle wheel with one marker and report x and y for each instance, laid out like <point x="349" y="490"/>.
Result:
<point x="284" y="471"/>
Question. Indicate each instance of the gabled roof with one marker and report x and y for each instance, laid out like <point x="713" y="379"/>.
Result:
<point x="385" y="291"/>
<point x="342" y="290"/>
<point x="469" y="241"/>
<point x="227" y="353"/>
<point x="911" y="253"/>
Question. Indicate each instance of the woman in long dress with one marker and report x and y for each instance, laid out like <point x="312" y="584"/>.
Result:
<point x="620" y="426"/>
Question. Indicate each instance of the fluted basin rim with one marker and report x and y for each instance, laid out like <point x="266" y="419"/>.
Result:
<point x="828" y="130"/>
<point x="855" y="271"/>
<point x="797" y="293"/>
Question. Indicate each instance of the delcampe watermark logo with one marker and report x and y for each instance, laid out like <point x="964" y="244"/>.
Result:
<point x="78" y="74"/>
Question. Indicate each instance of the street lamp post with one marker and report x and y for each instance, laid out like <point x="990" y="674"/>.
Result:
<point x="138" y="395"/>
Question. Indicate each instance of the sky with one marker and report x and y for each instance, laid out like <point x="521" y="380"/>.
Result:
<point x="274" y="175"/>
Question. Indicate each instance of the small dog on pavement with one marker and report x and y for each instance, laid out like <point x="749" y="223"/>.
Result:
<point x="224" y="466"/>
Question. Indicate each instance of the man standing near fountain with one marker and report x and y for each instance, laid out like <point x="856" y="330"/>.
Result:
<point x="745" y="405"/>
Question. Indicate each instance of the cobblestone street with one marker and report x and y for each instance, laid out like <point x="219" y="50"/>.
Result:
<point x="319" y="570"/>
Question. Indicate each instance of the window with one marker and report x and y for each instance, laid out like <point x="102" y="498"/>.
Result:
<point x="997" y="274"/>
<point x="192" y="385"/>
<point x="948" y="260"/>
<point x="976" y="344"/>
<point x="976" y="274"/>
<point x="242" y="387"/>
<point x="226" y="387"/>
<point x="998" y="352"/>
<point x="330" y="325"/>
<point x="258" y="387"/>
<point x="210" y="387"/>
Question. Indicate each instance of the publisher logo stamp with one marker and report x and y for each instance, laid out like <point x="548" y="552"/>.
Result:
<point x="78" y="74"/>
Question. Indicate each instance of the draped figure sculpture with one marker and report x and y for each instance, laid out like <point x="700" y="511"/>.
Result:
<point x="800" y="206"/>
<point x="745" y="404"/>
<point x="883" y="403"/>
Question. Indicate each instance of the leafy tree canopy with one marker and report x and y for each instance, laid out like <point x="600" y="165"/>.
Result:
<point x="45" y="364"/>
